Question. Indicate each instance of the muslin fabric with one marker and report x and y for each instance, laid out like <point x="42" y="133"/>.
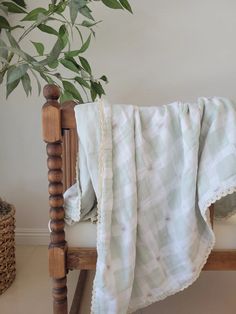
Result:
<point x="154" y="171"/>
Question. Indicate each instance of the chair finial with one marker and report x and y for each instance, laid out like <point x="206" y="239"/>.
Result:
<point x="51" y="92"/>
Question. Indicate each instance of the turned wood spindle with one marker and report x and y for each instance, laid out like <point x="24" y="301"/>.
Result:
<point x="51" y="119"/>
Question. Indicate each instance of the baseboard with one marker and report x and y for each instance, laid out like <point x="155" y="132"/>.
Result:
<point x="32" y="236"/>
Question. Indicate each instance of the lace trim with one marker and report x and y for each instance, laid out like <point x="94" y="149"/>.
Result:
<point x="224" y="191"/>
<point x="78" y="187"/>
<point x="100" y="215"/>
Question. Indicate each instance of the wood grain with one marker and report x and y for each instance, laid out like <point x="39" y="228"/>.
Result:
<point x="81" y="258"/>
<point x="59" y="292"/>
<point x="57" y="267"/>
<point x="69" y="157"/>
<point x="68" y="115"/>
<point x="86" y="258"/>
<point x="221" y="260"/>
<point x="51" y="114"/>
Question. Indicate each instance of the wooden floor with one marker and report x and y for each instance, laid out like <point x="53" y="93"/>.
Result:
<point x="212" y="293"/>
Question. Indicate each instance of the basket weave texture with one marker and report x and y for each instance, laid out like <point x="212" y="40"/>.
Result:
<point x="7" y="249"/>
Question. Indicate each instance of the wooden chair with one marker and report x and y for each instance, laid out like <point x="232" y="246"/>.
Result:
<point x="59" y="132"/>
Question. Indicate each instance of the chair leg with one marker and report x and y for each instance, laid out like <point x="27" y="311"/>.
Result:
<point x="76" y="304"/>
<point x="212" y="214"/>
<point x="59" y="292"/>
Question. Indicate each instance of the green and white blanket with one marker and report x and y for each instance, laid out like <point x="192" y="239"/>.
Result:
<point x="155" y="171"/>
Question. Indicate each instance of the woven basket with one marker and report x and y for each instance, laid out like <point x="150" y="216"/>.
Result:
<point x="7" y="249"/>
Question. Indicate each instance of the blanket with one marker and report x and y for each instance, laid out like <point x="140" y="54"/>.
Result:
<point x="154" y="171"/>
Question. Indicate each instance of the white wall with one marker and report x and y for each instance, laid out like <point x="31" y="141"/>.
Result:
<point x="168" y="50"/>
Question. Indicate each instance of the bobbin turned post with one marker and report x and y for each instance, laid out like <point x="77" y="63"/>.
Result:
<point x="51" y="121"/>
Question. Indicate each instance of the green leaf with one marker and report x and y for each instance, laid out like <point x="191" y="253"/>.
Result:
<point x="33" y="15"/>
<point x="12" y="86"/>
<point x="3" y="49"/>
<point x="14" y="73"/>
<point x="26" y="83"/>
<point x="97" y="88"/>
<point x="58" y="47"/>
<point x="47" y="29"/>
<point x="13" y="8"/>
<point x="74" y="6"/>
<point x="61" y="6"/>
<point x="65" y="96"/>
<point x="93" y="32"/>
<point x="104" y="78"/>
<point x="75" y="63"/>
<point x="69" y="65"/>
<point x="26" y="57"/>
<point x="54" y="54"/>
<point x="12" y="40"/>
<point x="46" y="78"/>
<point x="63" y="35"/>
<point x="72" y="53"/>
<point x="93" y="94"/>
<point x="85" y="45"/>
<point x="85" y="65"/>
<point x="53" y="65"/>
<point x="113" y="4"/>
<point x="82" y="82"/>
<point x="17" y="50"/>
<point x="4" y="23"/>
<point x="85" y="11"/>
<point x="80" y="34"/>
<point x="51" y="7"/>
<point x="21" y="3"/>
<point x="69" y="87"/>
<point x="126" y="5"/>
<point x="39" y="47"/>
<point x="50" y="80"/>
<point x="89" y="24"/>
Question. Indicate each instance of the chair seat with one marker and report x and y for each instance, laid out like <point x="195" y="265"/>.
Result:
<point x="84" y="234"/>
<point x="225" y="232"/>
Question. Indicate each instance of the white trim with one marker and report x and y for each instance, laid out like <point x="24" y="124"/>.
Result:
<point x="32" y="236"/>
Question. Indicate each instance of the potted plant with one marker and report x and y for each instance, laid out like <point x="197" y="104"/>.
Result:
<point x="17" y="65"/>
<point x="7" y="245"/>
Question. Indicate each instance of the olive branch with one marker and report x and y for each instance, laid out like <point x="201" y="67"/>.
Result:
<point x="17" y="65"/>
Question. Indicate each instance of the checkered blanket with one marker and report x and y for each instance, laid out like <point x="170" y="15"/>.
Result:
<point x="155" y="171"/>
